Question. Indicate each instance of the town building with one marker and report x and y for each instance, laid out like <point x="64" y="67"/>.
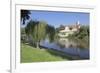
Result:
<point x="64" y="31"/>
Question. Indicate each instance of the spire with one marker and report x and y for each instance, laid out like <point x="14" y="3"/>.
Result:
<point x="78" y="22"/>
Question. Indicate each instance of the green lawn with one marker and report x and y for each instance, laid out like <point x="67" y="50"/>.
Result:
<point x="30" y="54"/>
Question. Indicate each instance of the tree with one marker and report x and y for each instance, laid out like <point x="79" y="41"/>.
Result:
<point x="29" y="30"/>
<point x="23" y="35"/>
<point x="36" y="30"/>
<point x="39" y="32"/>
<point x="51" y="32"/>
<point x="82" y="34"/>
<point x="30" y="26"/>
<point x="25" y="15"/>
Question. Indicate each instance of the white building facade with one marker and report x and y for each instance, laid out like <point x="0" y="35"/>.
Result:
<point x="69" y="30"/>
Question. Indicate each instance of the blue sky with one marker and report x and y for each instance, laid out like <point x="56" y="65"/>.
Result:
<point x="57" y="18"/>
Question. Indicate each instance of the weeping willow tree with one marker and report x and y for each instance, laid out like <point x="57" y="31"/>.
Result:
<point x="51" y="32"/>
<point x="39" y="30"/>
<point x="29" y="29"/>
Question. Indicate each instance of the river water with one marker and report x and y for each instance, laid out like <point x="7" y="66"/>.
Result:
<point x="74" y="48"/>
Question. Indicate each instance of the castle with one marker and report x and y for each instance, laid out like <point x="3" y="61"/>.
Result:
<point x="64" y="31"/>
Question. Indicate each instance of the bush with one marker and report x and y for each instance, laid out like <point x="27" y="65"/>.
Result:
<point x="83" y="32"/>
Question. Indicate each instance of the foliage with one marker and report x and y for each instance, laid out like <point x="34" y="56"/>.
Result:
<point x="36" y="30"/>
<point x="23" y="37"/>
<point x="83" y="32"/>
<point x="39" y="32"/>
<point x="30" y="26"/>
<point x="82" y="35"/>
<point x="51" y="32"/>
<point x="25" y="15"/>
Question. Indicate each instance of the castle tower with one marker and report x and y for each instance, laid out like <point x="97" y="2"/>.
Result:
<point x="78" y="24"/>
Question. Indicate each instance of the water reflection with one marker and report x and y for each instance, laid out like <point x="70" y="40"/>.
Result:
<point x="65" y="43"/>
<point x="71" y="47"/>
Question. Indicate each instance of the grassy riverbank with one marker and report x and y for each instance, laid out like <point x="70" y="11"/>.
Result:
<point x="30" y="54"/>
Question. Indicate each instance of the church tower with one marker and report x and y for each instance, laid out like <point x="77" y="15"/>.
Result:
<point x="78" y="24"/>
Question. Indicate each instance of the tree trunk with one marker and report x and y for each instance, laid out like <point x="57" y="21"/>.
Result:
<point x="37" y="45"/>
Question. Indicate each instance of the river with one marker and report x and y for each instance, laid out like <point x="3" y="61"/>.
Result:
<point x="74" y="48"/>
